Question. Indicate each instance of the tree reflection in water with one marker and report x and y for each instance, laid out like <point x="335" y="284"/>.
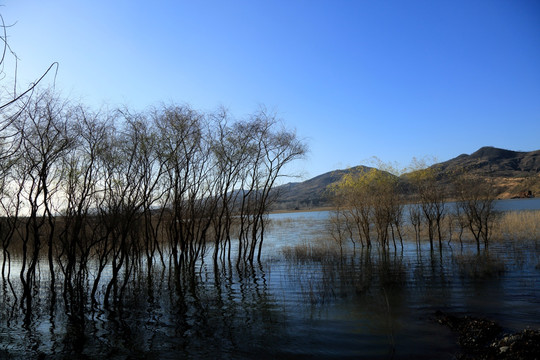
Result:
<point x="228" y="312"/>
<point x="364" y="303"/>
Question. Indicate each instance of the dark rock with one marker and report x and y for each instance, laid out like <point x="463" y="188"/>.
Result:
<point x="473" y="333"/>
<point x="482" y="339"/>
<point x="522" y="345"/>
<point x="524" y="195"/>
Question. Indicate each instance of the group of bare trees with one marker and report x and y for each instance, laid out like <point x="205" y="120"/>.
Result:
<point x="117" y="190"/>
<point x="464" y="200"/>
<point x="475" y="208"/>
<point x="374" y="202"/>
<point x="96" y="196"/>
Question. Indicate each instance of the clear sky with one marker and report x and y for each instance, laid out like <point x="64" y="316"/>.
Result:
<point x="356" y="79"/>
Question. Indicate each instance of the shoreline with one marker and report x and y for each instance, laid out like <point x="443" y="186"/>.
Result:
<point x="330" y="208"/>
<point x="287" y="211"/>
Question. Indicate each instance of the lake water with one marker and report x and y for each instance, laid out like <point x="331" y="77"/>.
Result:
<point x="358" y="304"/>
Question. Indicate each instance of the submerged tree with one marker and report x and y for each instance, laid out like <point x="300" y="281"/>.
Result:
<point x="475" y="202"/>
<point x="272" y="147"/>
<point x="45" y="140"/>
<point x="431" y="197"/>
<point x="94" y="197"/>
<point x="416" y="220"/>
<point x="118" y="191"/>
<point x="354" y="205"/>
<point x="369" y="198"/>
<point x="80" y="238"/>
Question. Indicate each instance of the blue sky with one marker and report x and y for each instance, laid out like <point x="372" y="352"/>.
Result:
<point x="356" y="79"/>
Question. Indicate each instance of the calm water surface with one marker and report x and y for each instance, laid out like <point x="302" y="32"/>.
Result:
<point x="361" y="304"/>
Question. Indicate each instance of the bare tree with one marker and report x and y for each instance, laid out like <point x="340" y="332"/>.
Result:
<point x="432" y="199"/>
<point x="415" y="218"/>
<point x="476" y="204"/>
<point x="271" y="147"/>
<point x="79" y="235"/>
<point x="44" y="141"/>
<point x="230" y="152"/>
<point x="12" y="103"/>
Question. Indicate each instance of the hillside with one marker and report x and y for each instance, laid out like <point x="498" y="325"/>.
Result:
<point x="495" y="162"/>
<point x="514" y="173"/>
<point x="313" y="192"/>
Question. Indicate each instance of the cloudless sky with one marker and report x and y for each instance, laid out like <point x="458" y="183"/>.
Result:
<point x="355" y="79"/>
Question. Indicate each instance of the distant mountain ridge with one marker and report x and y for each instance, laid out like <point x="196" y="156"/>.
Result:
<point x="495" y="161"/>
<point x="514" y="173"/>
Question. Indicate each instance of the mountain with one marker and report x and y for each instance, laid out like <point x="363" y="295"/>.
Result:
<point x="313" y="192"/>
<point x="514" y="174"/>
<point x="491" y="161"/>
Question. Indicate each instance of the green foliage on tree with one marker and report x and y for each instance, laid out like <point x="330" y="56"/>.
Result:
<point x="367" y="202"/>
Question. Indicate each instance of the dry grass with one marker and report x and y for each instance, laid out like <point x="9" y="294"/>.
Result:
<point x="314" y="250"/>
<point x="518" y="225"/>
<point x="523" y="226"/>
<point x="291" y="222"/>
